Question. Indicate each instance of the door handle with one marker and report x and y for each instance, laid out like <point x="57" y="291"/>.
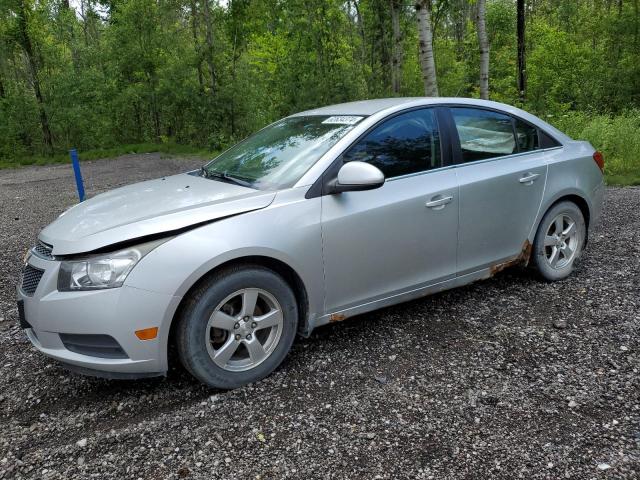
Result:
<point x="529" y="178"/>
<point x="438" y="202"/>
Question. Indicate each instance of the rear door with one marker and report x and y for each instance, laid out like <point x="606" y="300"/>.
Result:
<point x="502" y="176"/>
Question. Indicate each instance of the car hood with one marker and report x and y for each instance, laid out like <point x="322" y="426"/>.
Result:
<point x="148" y="208"/>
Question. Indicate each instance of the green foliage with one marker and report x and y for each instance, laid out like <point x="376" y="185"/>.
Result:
<point x="615" y="136"/>
<point x="205" y="73"/>
<point x="99" y="153"/>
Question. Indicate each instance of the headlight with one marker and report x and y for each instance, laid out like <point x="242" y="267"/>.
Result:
<point x="102" y="271"/>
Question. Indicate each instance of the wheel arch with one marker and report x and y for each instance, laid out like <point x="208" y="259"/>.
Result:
<point x="293" y="279"/>
<point x="573" y="197"/>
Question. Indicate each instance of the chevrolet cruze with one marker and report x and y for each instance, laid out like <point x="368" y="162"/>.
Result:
<point x="323" y="215"/>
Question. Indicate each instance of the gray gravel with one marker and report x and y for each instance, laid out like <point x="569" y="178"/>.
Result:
<point x="507" y="378"/>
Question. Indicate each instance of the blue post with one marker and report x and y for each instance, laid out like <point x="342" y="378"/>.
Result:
<point x="76" y="170"/>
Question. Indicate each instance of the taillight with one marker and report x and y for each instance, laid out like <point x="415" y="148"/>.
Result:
<point x="599" y="159"/>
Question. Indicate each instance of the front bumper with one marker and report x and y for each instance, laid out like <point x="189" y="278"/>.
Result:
<point x="116" y="312"/>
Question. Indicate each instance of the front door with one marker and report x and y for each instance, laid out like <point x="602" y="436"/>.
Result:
<point x="401" y="236"/>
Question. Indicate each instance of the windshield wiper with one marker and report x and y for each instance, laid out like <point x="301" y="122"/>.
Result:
<point x="225" y="177"/>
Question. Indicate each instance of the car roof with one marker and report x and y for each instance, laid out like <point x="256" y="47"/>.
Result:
<point x="362" y="107"/>
<point x="371" y="107"/>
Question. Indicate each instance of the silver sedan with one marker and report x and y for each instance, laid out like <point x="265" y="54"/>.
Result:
<point x="323" y="215"/>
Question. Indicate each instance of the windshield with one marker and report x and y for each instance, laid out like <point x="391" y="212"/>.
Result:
<point x="277" y="156"/>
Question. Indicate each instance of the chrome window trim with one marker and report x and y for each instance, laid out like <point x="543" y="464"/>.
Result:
<point x="503" y="157"/>
<point x="459" y="165"/>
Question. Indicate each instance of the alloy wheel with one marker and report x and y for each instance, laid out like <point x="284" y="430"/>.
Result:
<point x="244" y="329"/>
<point x="561" y="241"/>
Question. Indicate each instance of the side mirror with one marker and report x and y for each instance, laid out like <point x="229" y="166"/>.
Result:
<point x="356" y="176"/>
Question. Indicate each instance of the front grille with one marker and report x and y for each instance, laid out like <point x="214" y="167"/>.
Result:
<point x="30" y="278"/>
<point x="102" y="346"/>
<point x="43" y="250"/>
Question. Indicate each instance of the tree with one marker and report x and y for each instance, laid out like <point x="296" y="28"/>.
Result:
<point x="22" y="12"/>
<point x="522" y="66"/>
<point x="208" y="23"/>
<point x="196" y="43"/>
<point x="427" y="60"/>
<point x="483" y="42"/>
<point x="460" y="15"/>
<point x="396" y="56"/>
<point x="102" y="73"/>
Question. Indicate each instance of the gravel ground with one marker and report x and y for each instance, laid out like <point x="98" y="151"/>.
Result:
<point x="471" y="383"/>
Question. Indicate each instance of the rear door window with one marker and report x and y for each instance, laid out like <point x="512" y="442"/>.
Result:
<point x="484" y="134"/>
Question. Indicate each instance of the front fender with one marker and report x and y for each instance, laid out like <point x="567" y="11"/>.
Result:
<point x="287" y="231"/>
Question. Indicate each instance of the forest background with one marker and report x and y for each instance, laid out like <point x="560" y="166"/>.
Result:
<point x="194" y="76"/>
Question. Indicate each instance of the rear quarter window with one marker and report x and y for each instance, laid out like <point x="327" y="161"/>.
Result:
<point x="526" y="136"/>
<point x="546" y="141"/>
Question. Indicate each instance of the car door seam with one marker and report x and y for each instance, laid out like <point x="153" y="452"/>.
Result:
<point x="544" y="189"/>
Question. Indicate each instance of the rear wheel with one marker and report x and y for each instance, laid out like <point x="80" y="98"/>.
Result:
<point x="559" y="241"/>
<point x="237" y="327"/>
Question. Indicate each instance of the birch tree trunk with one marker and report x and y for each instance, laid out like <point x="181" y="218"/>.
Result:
<point x="522" y="62"/>
<point x="396" y="56"/>
<point x="484" y="49"/>
<point x="425" y="36"/>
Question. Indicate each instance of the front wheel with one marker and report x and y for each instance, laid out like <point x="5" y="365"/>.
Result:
<point x="237" y="327"/>
<point x="559" y="241"/>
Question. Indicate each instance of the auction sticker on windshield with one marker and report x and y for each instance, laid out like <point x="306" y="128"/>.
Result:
<point x="343" y="120"/>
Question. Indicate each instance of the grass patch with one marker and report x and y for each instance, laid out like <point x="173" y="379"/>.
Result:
<point x="622" y="180"/>
<point x="100" y="153"/>
<point x="617" y="137"/>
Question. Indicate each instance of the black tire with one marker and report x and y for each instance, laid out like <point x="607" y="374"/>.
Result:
<point x="541" y="254"/>
<point x="191" y="332"/>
